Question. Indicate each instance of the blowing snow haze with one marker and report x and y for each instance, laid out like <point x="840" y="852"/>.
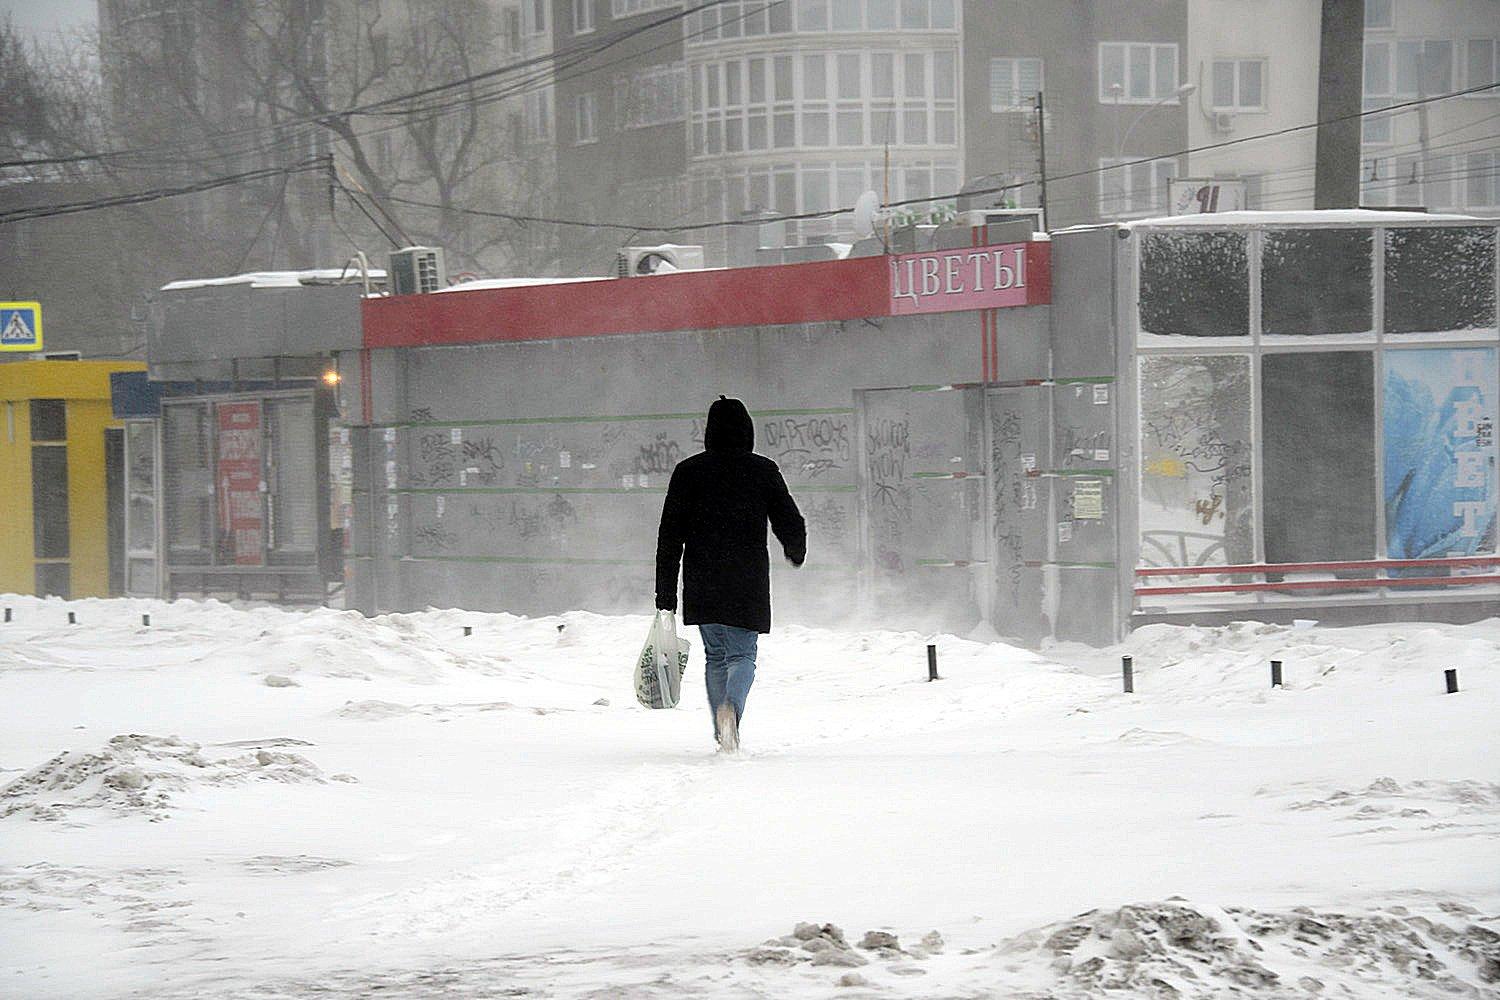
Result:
<point x="1121" y="380"/>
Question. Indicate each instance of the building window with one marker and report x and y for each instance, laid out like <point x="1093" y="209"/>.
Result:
<point x="1239" y="85"/>
<point x="817" y="100"/>
<point x="539" y="115"/>
<point x="627" y="8"/>
<point x="536" y="17"/>
<point x="583" y="16"/>
<point x="655" y="96"/>
<point x="1128" y="188"/>
<point x="1136" y="72"/>
<point x="756" y="18"/>
<point x="1380" y="14"/>
<point x="584" y="119"/>
<point x="1483" y="55"/>
<point x="1424" y="67"/>
<point x="1482" y="183"/>
<point x="1014" y="84"/>
<point x="1377" y="93"/>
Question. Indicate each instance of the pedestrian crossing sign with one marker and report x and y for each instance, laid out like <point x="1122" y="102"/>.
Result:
<point x="20" y="326"/>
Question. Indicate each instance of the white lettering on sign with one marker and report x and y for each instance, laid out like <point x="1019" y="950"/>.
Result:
<point x="1471" y="468"/>
<point x="961" y="280"/>
<point x="1467" y="414"/>
<point x="1470" y="511"/>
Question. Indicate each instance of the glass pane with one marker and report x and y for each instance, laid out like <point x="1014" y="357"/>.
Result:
<point x="1029" y="77"/>
<point x="883" y="74"/>
<point x="49" y="420"/>
<point x="812" y="15"/>
<point x="1250" y="83"/>
<point x="914" y="125"/>
<point x="1223" y="96"/>
<point x="913" y="13"/>
<point x="882" y="14"/>
<point x="1195" y="285"/>
<point x="1111" y="71"/>
<point x="1378" y="13"/>
<point x="785" y="127"/>
<point x="756" y="74"/>
<point x="815" y="128"/>
<point x="294" y="515"/>
<point x="847" y="15"/>
<point x="1437" y="68"/>
<point x="1318" y="449"/>
<point x="756" y="137"/>
<point x="1481" y="62"/>
<point x="1316" y="281"/>
<point x="944" y="14"/>
<point x="945" y="128"/>
<point x="49" y="501"/>
<point x="786" y="192"/>
<point x="734" y="133"/>
<point x="848" y="69"/>
<point x="187" y="479"/>
<point x="1166" y="70"/>
<point x="851" y="185"/>
<point x="141" y="576"/>
<point x="733" y="93"/>
<point x="1197" y="493"/>
<point x="1377" y="68"/>
<point x="943" y="75"/>
<point x="781" y="18"/>
<point x="918" y="183"/>
<point x="1139" y="85"/>
<point x="815" y="191"/>
<point x="1439" y="439"/>
<point x="54" y="579"/>
<point x="782" y="88"/>
<point x="914" y="79"/>
<point x="814" y="78"/>
<point x="1439" y="279"/>
<point x="1408" y="66"/>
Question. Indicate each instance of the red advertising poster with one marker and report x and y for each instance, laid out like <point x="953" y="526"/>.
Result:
<point x="241" y="511"/>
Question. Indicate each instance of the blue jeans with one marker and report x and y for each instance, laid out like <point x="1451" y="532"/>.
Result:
<point x="729" y="652"/>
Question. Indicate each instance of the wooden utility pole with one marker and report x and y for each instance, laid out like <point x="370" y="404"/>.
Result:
<point x="1340" y="96"/>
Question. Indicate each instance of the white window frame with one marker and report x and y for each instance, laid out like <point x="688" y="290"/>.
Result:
<point x="539" y="114"/>
<point x="1378" y="130"/>
<point x="1236" y="105"/>
<point x="537" y="16"/>
<point x="1485" y="172"/>
<point x="734" y="19"/>
<point x="1155" y="193"/>
<point x="1423" y="42"/>
<point x="583" y="17"/>
<point x="585" y="118"/>
<point x="1011" y="66"/>
<point x="1494" y="44"/>
<point x="630" y="8"/>
<point x="1390" y="25"/>
<point x="711" y="116"/>
<point x="1157" y="93"/>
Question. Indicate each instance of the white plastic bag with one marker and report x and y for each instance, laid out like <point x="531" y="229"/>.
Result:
<point x="658" y="670"/>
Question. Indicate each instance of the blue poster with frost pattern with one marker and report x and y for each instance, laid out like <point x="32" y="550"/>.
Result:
<point x="1439" y="417"/>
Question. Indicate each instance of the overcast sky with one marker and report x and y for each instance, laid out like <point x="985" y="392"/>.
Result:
<point x="40" y="18"/>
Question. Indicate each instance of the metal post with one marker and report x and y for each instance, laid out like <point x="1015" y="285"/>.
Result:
<point x="1127" y="674"/>
<point x="932" y="673"/>
<point x="1450" y="677"/>
<point x="7" y="616"/>
<point x="468" y="630"/>
<point x="72" y="619"/>
<point x="1276" y="674"/>
<point x="146" y="620"/>
<point x="1041" y="134"/>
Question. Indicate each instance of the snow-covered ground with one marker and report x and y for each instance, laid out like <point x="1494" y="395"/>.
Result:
<point x="259" y="802"/>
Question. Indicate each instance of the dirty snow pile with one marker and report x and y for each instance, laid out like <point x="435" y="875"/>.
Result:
<point x="250" y="801"/>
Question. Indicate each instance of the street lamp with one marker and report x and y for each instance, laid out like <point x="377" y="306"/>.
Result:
<point x="1179" y="93"/>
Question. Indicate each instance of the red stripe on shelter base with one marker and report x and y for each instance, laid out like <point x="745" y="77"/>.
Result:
<point x="691" y="300"/>
<point x="1248" y="588"/>
<point x="1317" y="567"/>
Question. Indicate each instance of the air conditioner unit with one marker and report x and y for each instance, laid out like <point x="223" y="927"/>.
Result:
<point x="416" y="270"/>
<point x="636" y="262"/>
<point x="1223" y="121"/>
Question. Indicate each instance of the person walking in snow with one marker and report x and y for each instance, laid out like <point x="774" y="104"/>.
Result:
<point x="714" y="523"/>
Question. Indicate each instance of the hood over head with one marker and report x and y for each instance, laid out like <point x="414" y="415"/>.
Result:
<point x="729" y="427"/>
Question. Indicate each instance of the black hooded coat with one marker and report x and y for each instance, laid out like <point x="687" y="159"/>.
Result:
<point x="714" y="523"/>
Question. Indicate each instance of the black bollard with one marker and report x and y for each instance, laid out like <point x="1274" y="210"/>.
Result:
<point x="932" y="673"/>
<point x="468" y="630"/>
<point x="1450" y="677"/>
<point x="1127" y="673"/>
<point x="146" y="620"/>
<point x="72" y="620"/>
<point x="7" y="616"/>
<point x="1276" y="674"/>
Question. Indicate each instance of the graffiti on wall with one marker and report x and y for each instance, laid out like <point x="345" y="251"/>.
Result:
<point x="808" y="448"/>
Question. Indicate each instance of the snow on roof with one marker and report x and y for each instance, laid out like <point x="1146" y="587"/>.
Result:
<point x="277" y="279"/>
<point x="476" y="285"/>
<point x="1333" y="216"/>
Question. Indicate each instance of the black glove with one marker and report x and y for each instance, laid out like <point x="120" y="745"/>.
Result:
<point x="666" y="604"/>
<point x="796" y="558"/>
